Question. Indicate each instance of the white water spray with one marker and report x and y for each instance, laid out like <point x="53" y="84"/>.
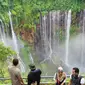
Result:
<point x="68" y="35"/>
<point x="31" y="58"/>
<point x="2" y="32"/>
<point x="22" y="66"/>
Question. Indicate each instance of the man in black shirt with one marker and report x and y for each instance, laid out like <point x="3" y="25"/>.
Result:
<point x="34" y="75"/>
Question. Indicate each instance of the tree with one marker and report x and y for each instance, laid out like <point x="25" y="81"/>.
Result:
<point x="4" y="52"/>
<point x="27" y="11"/>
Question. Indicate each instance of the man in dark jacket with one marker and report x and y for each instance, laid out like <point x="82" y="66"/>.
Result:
<point x="34" y="75"/>
<point x="75" y="78"/>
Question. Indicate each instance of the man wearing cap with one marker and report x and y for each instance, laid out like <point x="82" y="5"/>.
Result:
<point x="34" y="75"/>
<point x="60" y="77"/>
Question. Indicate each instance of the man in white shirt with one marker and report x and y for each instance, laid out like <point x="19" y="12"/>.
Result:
<point x="14" y="72"/>
<point x="75" y="78"/>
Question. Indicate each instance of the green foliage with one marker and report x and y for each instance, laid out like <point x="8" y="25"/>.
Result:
<point x="28" y="11"/>
<point x="61" y="34"/>
<point x="74" y="30"/>
<point x="5" y="51"/>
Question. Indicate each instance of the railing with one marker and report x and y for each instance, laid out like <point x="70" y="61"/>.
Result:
<point x="42" y="77"/>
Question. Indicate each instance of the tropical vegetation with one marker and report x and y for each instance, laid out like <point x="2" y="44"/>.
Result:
<point x="25" y="15"/>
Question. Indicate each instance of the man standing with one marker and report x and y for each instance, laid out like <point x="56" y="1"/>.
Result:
<point x="34" y="75"/>
<point x="75" y="78"/>
<point x="14" y="72"/>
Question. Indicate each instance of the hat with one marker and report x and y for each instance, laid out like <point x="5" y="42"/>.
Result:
<point x="60" y="68"/>
<point x="32" y="66"/>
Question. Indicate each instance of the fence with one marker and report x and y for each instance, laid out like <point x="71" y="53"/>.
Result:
<point x="42" y="77"/>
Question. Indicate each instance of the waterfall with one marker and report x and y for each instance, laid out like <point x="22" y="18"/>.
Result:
<point x="50" y="48"/>
<point x="55" y="42"/>
<point x="13" y="34"/>
<point x="58" y="18"/>
<point x="22" y="66"/>
<point x="67" y="35"/>
<point x="82" y="40"/>
<point x="50" y="24"/>
<point x="31" y="58"/>
<point x="2" y="32"/>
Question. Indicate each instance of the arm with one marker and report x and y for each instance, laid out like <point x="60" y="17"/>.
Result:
<point x="82" y="82"/>
<point x="54" y="78"/>
<point x="18" y="76"/>
<point x="64" y="80"/>
<point x="29" y="81"/>
<point x="20" y="79"/>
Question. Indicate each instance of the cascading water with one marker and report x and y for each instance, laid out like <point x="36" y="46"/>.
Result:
<point x="49" y="40"/>
<point x="46" y="37"/>
<point x="82" y="40"/>
<point x="61" y="39"/>
<point x="54" y="33"/>
<point x="22" y="66"/>
<point x="13" y="34"/>
<point x="31" y="58"/>
<point x="2" y="32"/>
<point x="68" y="35"/>
<point x="58" y="18"/>
<point x="50" y="48"/>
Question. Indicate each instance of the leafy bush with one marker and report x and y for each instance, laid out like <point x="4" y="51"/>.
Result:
<point x="4" y="52"/>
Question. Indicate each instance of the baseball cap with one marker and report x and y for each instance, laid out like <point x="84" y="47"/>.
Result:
<point x="32" y="66"/>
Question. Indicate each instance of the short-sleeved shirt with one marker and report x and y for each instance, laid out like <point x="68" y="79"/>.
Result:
<point x="14" y="73"/>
